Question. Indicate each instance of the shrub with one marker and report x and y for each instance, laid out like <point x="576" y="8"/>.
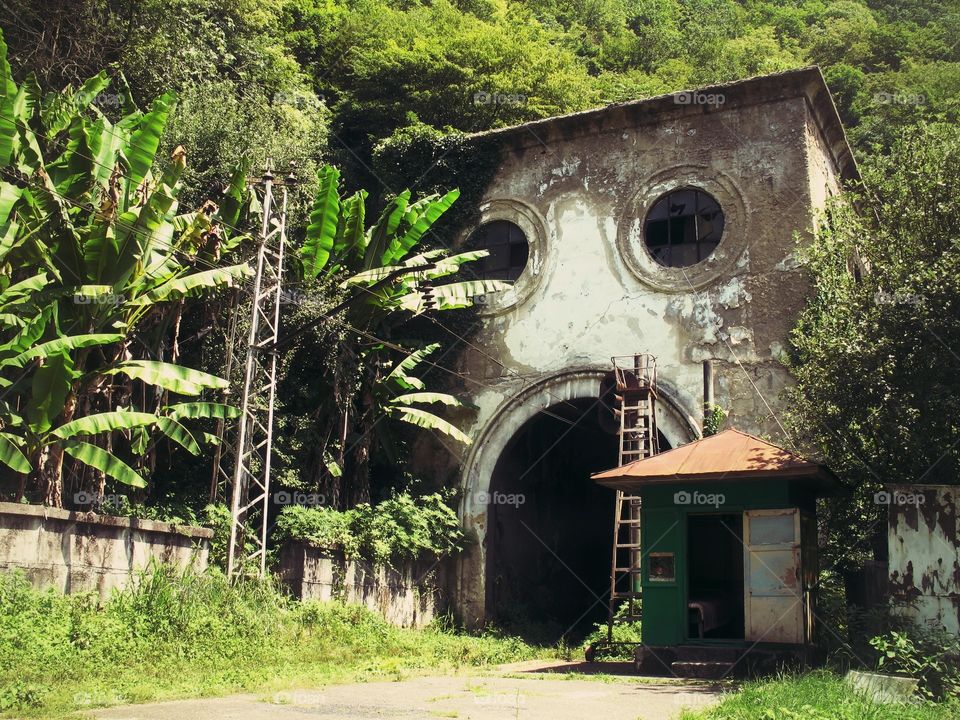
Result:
<point x="401" y="528"/>
<point x="931" y="655"/>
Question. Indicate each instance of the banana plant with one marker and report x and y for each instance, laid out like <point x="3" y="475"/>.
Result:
<point x="386" y="279"/>
<point x="97" y="259"/>
<point x="403" y="396"/>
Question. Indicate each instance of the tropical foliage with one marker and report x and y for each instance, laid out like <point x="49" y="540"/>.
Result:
<point x="381" y="280"/>
<point x="97" y="263"/>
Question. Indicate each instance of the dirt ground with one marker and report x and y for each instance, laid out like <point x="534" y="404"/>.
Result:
<point x="526" y="691"/>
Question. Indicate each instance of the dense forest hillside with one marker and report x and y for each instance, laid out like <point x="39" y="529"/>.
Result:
<point x="305" y="79"/>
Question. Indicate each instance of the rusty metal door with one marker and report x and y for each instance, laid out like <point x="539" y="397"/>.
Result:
<point x="773" y="592"/>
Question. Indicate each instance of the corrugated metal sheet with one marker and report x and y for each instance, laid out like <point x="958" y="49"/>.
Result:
<point x="924" y="551"/>
<point x="729" y="454"/>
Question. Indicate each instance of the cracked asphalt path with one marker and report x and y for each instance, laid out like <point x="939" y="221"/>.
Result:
<point x="524" y="691"/>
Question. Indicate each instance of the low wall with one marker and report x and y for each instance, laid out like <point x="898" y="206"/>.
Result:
<point x="77" y="552"/>
<point x="406" y="596"/>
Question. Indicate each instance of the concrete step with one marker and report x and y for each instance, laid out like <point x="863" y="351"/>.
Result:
<point x="701" y="670"/>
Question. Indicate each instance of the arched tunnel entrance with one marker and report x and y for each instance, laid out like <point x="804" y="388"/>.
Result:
<point x="550" y="527"/>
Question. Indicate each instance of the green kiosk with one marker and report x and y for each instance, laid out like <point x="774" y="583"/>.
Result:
<point x="728" y="566"/>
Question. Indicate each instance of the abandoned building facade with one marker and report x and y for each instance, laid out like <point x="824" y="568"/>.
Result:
<point x="668" y="226"/>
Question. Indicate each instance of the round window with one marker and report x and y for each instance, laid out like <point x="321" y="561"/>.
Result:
<point x="507" y="247"/>
<point x="683" y="227"/>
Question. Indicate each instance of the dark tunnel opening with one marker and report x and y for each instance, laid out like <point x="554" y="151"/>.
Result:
<point x="550" y="527"/>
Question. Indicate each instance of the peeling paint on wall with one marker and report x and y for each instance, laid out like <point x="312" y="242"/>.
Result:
<point x="924" y="550"/>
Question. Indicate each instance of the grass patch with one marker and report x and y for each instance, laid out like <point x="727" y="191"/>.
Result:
<point x="819" y="695"/>
<point x="174" y="635"/>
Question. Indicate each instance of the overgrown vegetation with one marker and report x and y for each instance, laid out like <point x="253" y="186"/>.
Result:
<point x="819" y="695"/>
<point x="182" y="634"/>
<point x="881" y="328"/>
<point x="401" y="528"/>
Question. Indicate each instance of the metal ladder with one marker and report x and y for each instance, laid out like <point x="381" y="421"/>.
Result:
<point x="636" y="382"/>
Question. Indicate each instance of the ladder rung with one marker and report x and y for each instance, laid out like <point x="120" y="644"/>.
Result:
<point x="627" y="570"/>
<point x="631" y="594"/>
<point x="634" y="546"/>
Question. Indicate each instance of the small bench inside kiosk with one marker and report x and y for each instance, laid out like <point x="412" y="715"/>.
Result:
<point x="729" y="553"/>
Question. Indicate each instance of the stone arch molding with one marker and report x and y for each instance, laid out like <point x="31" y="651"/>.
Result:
<point x="737" y="230"/>
<point x="534" y="228"/>
<point x="673" y="420"/>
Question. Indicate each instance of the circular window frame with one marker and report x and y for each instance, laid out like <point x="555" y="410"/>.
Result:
<point x="632" y="241"/>
<point x="534" y="229"/>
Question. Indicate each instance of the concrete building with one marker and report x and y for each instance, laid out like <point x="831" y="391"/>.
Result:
<point x="668" y="225"/>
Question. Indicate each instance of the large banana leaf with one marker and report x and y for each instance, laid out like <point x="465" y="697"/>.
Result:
<point x="233" y="197"/>
<point x="60" y="345"/>
<point x="426" y="397"/>
<point x="11" y="455"/>
<point x="381" y="234"/>
<point x="194" y="283"/>
<point x="179" y="434"/>
<point x="145" y="141"/>
<point x="97" y="457"/>
<point x="51" y="385"/>
<point x="104" y="422"/>
<point x="324" y="223"/>
<point x="192" y="410"/>
<point x="175" y="378"/>
<point x="351" y="239"/>
<point x="432" y="211"/>
<point x="399" y="372"/>
<point x="453" y="296"/>
<point x="424" y="419"/>
<point x="8" y="94"/>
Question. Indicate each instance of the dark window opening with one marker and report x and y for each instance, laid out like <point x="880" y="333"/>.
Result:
<point x="683" y="227"/>
<point x="508" y="250"/>
<point x="715" y="576"/>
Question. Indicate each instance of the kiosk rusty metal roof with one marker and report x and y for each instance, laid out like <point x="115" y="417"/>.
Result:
<point x="728" y="455"/>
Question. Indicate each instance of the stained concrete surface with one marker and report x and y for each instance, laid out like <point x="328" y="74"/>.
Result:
<point x="527" y="691"/>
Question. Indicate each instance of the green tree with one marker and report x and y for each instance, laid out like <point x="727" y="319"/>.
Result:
<point x="877" y="350"/>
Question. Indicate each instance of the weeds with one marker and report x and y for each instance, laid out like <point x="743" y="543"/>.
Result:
<point x="176" y="634"/>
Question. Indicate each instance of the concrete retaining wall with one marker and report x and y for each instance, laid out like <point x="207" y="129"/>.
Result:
<point x="406" y="596"/>
<point x="77" y="552"/>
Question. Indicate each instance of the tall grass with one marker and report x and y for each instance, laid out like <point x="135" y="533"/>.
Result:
<point x="819" y="695"/>
<point x="175" y="634"/>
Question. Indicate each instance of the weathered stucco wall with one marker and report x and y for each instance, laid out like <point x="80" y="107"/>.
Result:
<point x="78" y="552"/>
<point x="924" y="552"/>
<point x="405" y="596"/>
<point x="770" y="150"/>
